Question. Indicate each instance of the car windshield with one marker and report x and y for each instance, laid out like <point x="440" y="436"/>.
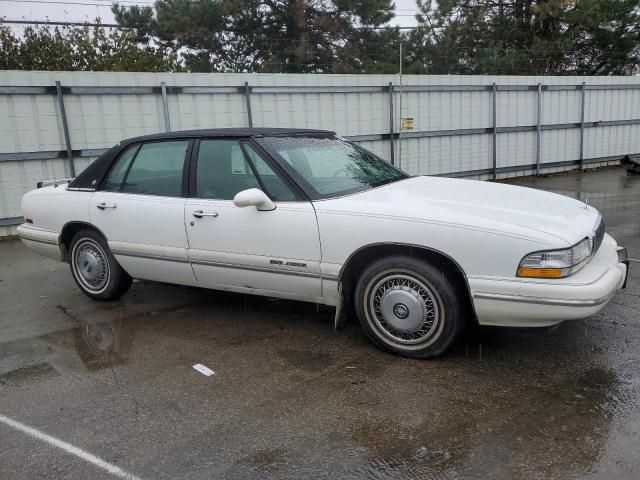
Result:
<point x="329" y="167"/>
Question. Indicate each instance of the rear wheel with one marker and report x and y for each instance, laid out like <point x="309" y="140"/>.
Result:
<point x="408" y="307"/>
<point x="94" y="267"/>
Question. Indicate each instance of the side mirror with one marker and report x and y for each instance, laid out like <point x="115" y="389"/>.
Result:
<point x="254" y="197"/>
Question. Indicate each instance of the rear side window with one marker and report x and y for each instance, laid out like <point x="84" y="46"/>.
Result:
<point x="157" y="169"/>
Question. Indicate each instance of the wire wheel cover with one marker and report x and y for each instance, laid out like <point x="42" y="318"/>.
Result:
<point x="404" y="309"/>
<point x="91" y="265"/>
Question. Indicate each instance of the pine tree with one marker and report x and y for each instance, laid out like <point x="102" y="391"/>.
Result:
<point x="529" y="37"/>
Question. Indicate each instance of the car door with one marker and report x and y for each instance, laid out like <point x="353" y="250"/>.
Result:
<point x="140" y="209"/>
<point x="273" y="252"/>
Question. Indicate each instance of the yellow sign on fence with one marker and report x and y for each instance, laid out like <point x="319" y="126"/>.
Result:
<point x="406" y="123"/>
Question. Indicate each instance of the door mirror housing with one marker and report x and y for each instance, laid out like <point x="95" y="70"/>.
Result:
<point x="254" y="197"/>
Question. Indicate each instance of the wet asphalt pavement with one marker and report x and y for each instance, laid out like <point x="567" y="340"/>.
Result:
<point x="291" y="398"/>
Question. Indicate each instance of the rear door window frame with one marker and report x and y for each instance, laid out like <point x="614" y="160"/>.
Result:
<point x="186" y="165"/>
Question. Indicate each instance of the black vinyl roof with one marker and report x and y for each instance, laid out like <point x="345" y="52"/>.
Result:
<point x="229" y="132"/>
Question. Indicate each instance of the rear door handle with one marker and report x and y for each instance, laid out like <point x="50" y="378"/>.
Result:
<point x="200" y="214"/>
<point x="104" y="205"/>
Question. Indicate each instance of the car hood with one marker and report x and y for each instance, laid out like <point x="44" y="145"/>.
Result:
<point x="496" y="207"/>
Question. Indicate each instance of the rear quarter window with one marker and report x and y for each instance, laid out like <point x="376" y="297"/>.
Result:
<point x="115" y="178"/>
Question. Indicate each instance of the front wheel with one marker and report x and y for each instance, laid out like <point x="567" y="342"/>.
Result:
<point x="94" y="267"/>
<point x="408" y="307"/>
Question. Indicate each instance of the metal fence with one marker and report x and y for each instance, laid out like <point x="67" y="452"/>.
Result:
<point x="53" y="124"/>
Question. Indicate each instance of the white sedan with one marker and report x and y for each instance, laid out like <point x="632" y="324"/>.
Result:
<point x="305" y="215"/>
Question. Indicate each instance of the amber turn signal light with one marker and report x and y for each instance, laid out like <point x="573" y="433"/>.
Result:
<point x="541" y="272"/>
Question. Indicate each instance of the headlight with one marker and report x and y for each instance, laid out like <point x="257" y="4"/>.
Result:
<point x="555" y="263"/>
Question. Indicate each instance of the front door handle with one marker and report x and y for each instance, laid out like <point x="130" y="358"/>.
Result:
<point x="104" y="205"/>
<point x="200" y="214"/>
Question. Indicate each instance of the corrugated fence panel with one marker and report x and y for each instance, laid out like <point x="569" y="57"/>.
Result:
<point x="516" y="108"/>
<point x="18" y="177"/>
<point x="30" y="123"/>
<point x="346" y="113"/>
<point x="559" y="145"/>
<point x="102" y="121"/>
<point x="518" y="148"/>
<point x="193" y="111"/>
<point x="452" y="118"/>
<point x="603" y="105"/>
<point x="447" y="154"/>
<point x="610" y="141"/>
<point x="561" y="106"/>
<point x="447" y="110"/>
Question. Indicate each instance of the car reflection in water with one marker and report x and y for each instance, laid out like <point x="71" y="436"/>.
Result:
<point x="100" y="344"/>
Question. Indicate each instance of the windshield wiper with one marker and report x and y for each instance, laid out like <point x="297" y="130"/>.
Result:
<point x="385" y="181"/>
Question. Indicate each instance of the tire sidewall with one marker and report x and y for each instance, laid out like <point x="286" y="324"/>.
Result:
<point x="118" y="282"/>
<point x="444" y="295"/>
<point x="77" y="241"/>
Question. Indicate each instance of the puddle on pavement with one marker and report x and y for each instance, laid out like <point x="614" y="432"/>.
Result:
<point x="557" y="437"/>
<point x="106" y="332"/>
<point x="28" y="374"/>
<point x="519" y="424"/>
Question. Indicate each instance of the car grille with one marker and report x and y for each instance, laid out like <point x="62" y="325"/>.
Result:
<point x="598" y="236"/>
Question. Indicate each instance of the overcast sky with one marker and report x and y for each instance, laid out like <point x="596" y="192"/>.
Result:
<point x="72" y="10"/>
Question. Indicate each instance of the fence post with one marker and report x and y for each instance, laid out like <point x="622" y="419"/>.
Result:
<point x="247" y="97"/>
<point x="494" y="91"/>
<point x="539" y="129"/>
<point x="582" y="102"/>
<point x="165" y="106"/>
<point x="391" y="139"/>
<point x="65" y="128"/>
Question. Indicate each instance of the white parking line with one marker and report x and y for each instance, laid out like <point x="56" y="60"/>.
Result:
<point x="67" y="447"/>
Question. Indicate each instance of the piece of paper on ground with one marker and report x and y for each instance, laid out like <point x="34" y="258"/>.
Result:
<point x="204" y="370"/>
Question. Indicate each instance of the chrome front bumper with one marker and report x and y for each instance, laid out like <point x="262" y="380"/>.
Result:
<point x="519" y="302"/>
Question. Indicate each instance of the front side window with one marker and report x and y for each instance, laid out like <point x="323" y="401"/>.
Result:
<point x="157" y="169"/>
<point x="223" y="170"/>
<point x="329" y="167"/>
